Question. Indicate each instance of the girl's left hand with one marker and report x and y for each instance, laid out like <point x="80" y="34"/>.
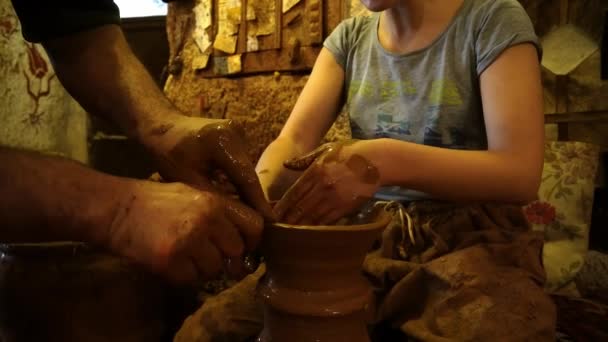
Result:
<point x="338" y="180"/>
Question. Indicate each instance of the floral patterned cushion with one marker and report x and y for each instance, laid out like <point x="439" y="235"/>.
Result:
<point x="563" y="208"/>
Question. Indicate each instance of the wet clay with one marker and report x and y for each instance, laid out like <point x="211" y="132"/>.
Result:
<point x="331" y="153"/>
<point x="314" y="289"/>
<point x="360" y="165"/>
<point x="214" y="141"/>
<point x="161" y="129"/>
<point x="216" y="146"/>
<point x="318" y="166"/>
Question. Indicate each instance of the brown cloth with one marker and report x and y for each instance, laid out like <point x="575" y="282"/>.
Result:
<point x="443" y="272"/>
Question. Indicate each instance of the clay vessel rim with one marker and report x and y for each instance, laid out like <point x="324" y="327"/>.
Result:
<point x="380" y="221"/>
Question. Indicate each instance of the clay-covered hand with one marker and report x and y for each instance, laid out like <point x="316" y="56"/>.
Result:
<point x="275" y="182"/>
<point x="180" y="232"/>
<point x="338" y="180"/>
<point x="192" y="149"/>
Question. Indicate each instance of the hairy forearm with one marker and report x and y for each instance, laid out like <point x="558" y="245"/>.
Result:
<point x="100" y="71"/>
<point x="456" y="174"/>
<point x="48" y="198"/>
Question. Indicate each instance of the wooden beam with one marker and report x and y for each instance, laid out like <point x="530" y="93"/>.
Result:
<point x="241" y="45"/>
<point x="564" y="12"/>
<point x="270" y="61"/>
<point x="562" y="132"/>
<point x="580" y="117"/>
<point x="278" y="25"/>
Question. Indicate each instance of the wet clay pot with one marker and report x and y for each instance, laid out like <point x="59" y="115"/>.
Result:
<point x="68" y="292"/>
<point x="314" y="288"/>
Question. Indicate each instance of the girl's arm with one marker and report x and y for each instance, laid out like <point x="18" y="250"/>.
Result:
<point x="312" y="116"/>
<point x="339" y="178"/>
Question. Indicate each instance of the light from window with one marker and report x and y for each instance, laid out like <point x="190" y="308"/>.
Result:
<point x="141" y="8"/>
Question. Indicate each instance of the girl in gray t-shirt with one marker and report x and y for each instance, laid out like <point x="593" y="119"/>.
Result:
<point x="445" y="104"/>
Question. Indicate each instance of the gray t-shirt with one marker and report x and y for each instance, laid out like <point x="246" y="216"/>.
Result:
<point x="430" y="96"/>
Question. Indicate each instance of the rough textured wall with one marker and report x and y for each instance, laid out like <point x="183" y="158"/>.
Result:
<point x="261" y="103"/>
<point x="35" y="111"/>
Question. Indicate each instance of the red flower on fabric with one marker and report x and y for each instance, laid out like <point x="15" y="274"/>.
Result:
<point x="37" y="64"/>
<point x="540" y="212"/>
<point x="41" y="75"/>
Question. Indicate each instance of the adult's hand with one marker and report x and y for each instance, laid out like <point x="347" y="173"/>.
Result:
<point x="173" y="229"/>
<point x="180" y="232"/>
<point x="192" y="149"/>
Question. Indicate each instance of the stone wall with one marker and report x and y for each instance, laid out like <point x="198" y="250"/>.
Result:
<point x="260" y="104"/>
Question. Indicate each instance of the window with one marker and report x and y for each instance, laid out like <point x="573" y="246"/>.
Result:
<point x="141" y="8"/>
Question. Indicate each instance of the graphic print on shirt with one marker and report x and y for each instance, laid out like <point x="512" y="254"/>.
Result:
<point x="443" y="93"/>
<point x="387" y="112"/>
<point x="386" y="91"/>
<point x="432" y="129"/>
<point x="389" y="126"/>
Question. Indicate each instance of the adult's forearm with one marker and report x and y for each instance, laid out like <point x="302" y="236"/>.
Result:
<point x="47" y="198"/>
<point x="456" y="174"/>
<point x="100" y="71"/>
